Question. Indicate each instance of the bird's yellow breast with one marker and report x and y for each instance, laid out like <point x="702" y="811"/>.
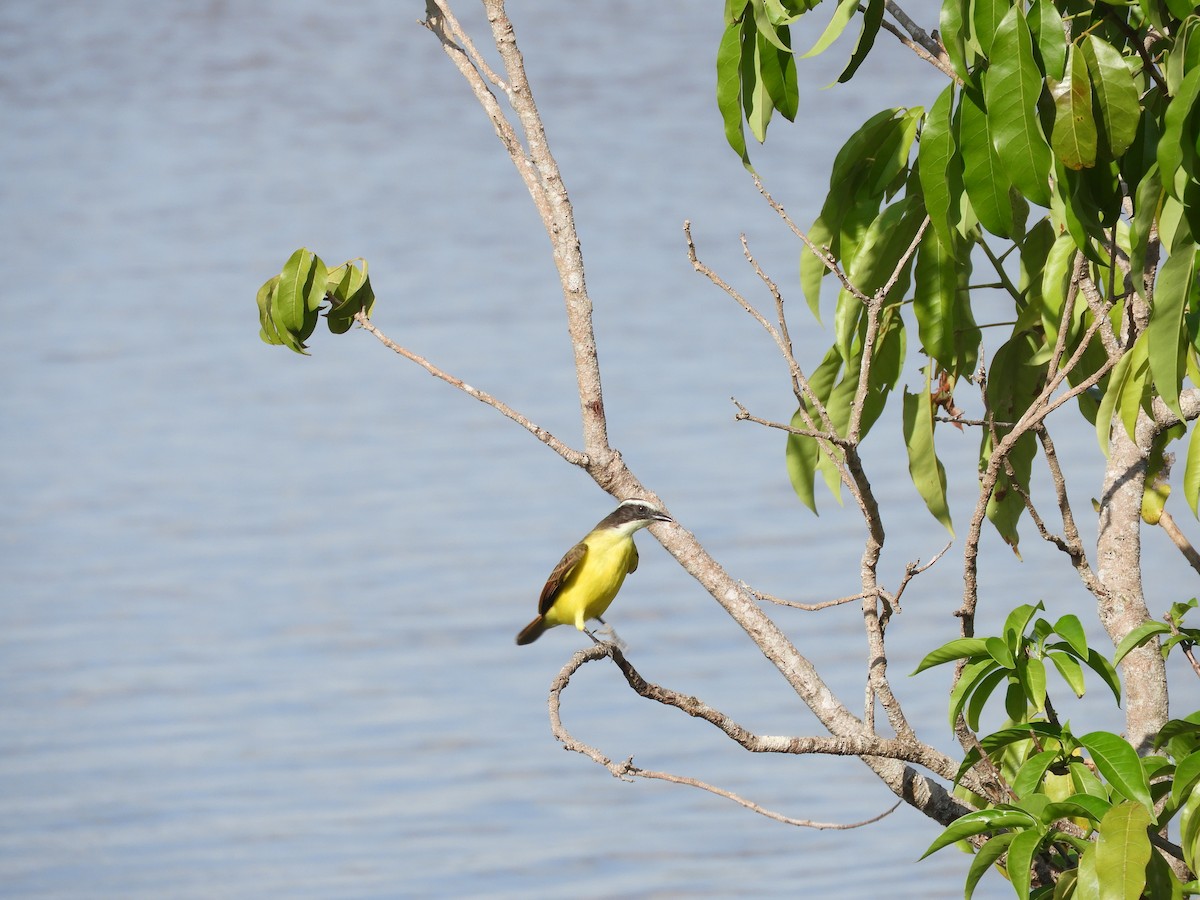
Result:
<point x="591" y="586"/>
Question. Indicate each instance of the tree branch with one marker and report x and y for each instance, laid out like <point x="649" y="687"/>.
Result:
<point x="571" y="455"/>
<point x="907" y="750"/>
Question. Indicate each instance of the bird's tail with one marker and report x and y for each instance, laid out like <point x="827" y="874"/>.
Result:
<point x="532" y="631"/>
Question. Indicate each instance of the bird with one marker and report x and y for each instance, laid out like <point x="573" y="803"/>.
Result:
<point x="587" y="578"/>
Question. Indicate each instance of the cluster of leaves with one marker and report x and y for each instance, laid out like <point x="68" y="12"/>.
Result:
<point x="1084" y="807"/>
<point x="290" y="303"/>
<point x="1060" y="133"/>
<point x="1059" y="169"/>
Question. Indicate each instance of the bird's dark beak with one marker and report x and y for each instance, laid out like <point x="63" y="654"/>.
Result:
<point x="663" y="517"/>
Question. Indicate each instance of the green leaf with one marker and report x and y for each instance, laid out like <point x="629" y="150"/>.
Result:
<point x="297" y="297"/>
<point x="1020" y="859"/>
<point x="1191" y="471"/>
<point x="352" y="293"/>
<point x="1187" y="772"/>
<point x="841" y="18"/>
<point x="975" y="674"/>
<point x="998" y="650"/>
<point x="1070" y="629"/>
<point x="1099" y="664"/>
<point x="985" y="858"/>
<point x="1074" y="136"/>
<point x="953" y="25"/>
<point x="940" y="169"/>
<point x="986" y="16"/>
<point x="886" y="241"/>
<point x="1082" y="805"/>
<point x="872" y="19"/>
<point x="926" y="470"/>
<point x="1029" y="776"/>
<point x="978" y="822"/>
<point x="1087" y="882"/>
<point x="1011" y="89"/>
<point x="1189" y="830"/>
<point x="770" y="30"/>
<point x="1122" y="852"/>
<point x="1126" y="378"/>
<point x="1137" y="637"/>
<point x="1166" y="333"/>
<point x="986" y="182"/>
<point x="729" y="89"/>
<point x="1146" y="206"/>
<point x="1161" y="882"/>
<point x="812" y="269"/>
<point x="980" y="696"/>
<point x="1069" y="668"/>
<point x="1177" y="147"/>
<point x="778" y="71"/>
<point x="267" y="331"/>
<point x="1048" y="37"/>
<point x="1018" y="620"/>
<point x="291" y="293"/>
<point x="1181" y="9"/>
<point x="1115" y="92"/>
<point x="1034" y="671"/>
<point x="1016" y="705"/>
<point x="934" y="299"/>
<point x="959" y="648"/>
<point x="756" y="99"/>
<point x="803" y="454"/>
<point x="801" y="459"/>
<point x="1086" y="782"/>
<point x="1118" y="762"/>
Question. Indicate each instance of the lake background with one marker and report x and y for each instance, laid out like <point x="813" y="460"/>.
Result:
<point x="258" y="609"/>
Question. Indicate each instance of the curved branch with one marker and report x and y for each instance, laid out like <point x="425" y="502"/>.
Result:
<point x="904" y="749"/>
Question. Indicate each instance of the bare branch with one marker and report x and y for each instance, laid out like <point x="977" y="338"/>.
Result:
<point x="1034" y="415"/>
<point x="744" y="415"/>
<point x="824" y="256"/>
<point x="538" y="169"/>
<point x="1073" y="542"/>
<point x="913" y="569"/>
<point x="631" y="769"/>
<point x="794" y="604"/>
<point x="919" y="41"/>
<point x="1190" y="553"/>
<point x="859" y="745"/>
<point x="571" y="455"/>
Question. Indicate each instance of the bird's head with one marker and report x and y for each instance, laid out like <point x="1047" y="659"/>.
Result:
<point x="633" y="514"/>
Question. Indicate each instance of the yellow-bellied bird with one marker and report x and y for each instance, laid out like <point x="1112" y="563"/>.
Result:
<point x="586" y="580"/>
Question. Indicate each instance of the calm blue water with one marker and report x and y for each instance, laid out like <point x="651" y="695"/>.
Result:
<point x="257" y="619"/>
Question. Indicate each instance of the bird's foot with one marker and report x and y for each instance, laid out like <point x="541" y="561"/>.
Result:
<point x="609" y="636"/>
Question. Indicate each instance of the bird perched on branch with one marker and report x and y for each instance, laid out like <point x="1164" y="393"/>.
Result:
<point x="586" y="580"/>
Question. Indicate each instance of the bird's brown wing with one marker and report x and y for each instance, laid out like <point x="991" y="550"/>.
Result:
<point x="633" y="561"/>
<point x="565" y="565"/>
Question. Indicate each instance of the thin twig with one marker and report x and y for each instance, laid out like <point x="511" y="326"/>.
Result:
<point x="918" y="40"/>
<point x="570" y="454"/>
<point x="744" y="415"/>
<point x="824" y="256"/>
<point x="913" y="569"/>
<point x="795" y="604"/>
